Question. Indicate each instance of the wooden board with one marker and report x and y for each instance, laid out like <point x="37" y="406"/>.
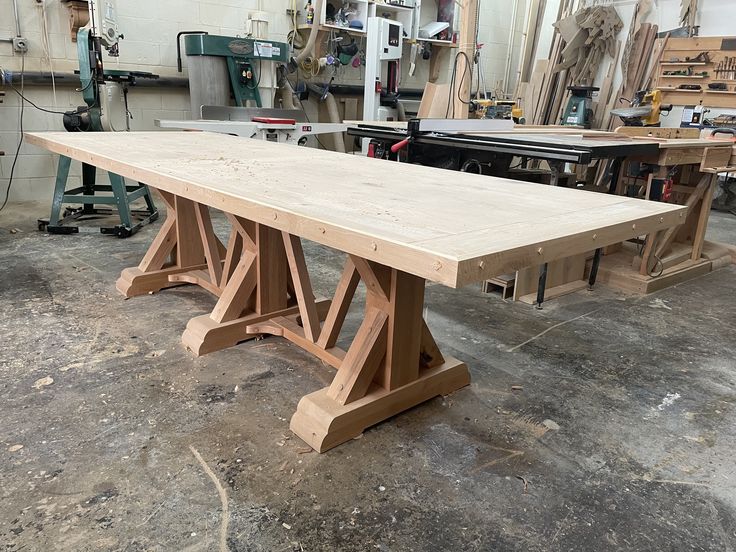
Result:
<point x="453" y="229"/>
<point x="562" y="271"/>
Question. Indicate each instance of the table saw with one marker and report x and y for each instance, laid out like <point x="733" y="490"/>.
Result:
<point x="480" y="146"/>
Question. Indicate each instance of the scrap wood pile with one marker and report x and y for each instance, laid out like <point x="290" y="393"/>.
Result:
<point x="589" y="34"/>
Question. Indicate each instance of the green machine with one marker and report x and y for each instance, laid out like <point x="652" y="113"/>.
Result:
<point x="225" y="67"/>
<point x="105" y="110"/>
<point x="579" y="110"/>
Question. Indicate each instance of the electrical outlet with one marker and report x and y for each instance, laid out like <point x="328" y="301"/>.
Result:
<point x="20" y="44"/>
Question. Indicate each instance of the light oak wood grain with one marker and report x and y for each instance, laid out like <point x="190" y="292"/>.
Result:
<point x="451" y="228"/>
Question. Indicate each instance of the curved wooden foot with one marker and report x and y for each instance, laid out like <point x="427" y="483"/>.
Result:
<point x="205" y="335"/>
<point x="323" y="423"/>
<point x="134" y="281"/>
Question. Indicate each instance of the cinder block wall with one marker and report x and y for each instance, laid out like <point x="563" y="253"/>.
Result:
<point x="150" y="29"/>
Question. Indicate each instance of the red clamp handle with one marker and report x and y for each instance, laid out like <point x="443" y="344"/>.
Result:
<point x="399" y="145"/>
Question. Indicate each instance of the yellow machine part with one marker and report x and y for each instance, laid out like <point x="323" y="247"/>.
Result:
<point x="653" y="98"/>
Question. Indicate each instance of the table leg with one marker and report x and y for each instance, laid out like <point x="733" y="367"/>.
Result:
<point x="392" y="364"/>
<point x="256" y="290"/>
<point x="185" y="250"/>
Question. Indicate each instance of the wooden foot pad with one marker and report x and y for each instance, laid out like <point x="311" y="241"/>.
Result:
<point x="323" y="423"/>
<point x="134" y="282"/>
<point x="204" y="335"/>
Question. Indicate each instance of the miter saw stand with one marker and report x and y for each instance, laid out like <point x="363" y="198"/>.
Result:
<point x="106" y="110"/>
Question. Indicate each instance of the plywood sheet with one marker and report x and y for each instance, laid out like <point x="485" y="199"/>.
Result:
<point x="452" y="228"/>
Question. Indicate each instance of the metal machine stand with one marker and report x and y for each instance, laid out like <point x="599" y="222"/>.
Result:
<point x="105" y="94"/>
<point x="87" y="195"/>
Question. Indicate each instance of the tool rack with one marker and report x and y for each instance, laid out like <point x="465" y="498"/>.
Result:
<point x="720" y="67"/>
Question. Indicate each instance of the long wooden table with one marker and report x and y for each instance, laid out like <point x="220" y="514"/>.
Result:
<point x="400" y="225"/>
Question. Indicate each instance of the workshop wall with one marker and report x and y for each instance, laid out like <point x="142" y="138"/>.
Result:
<point x="715" y="18"/>
<point x="150" y="29"/>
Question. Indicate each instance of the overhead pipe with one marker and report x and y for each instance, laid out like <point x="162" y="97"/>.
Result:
<point x="17" y="19"/>
<point x="40" y="78"/>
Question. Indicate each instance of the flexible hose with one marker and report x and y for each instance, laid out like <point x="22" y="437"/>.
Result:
<point x="285" y="90"/>
<point x="334" y="115"/>
<point x="309" y="48"/>
<point x="402" y="111"/>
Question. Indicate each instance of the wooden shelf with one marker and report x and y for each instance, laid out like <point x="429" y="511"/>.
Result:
<point x="381" y="5"/>
<point x="434" y="41"/>
<point x="327" y="28"/>
<point x="680" y="48"/>
<point x="680" y="63"/>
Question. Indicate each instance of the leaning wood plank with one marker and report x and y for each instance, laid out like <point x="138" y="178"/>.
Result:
<point x="362" y="360"/>
<point x="400" y="215"/>
<point x="302" y="286"/>
<point x="340" y="304"/>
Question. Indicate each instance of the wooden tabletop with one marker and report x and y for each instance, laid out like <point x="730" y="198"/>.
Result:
<point x="449" y="227"/>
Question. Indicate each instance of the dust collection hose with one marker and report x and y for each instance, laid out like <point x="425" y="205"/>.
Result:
<point x="308" y="50"/>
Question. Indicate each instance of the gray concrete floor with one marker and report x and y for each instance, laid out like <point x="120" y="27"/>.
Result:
<point x="621" y="435"/>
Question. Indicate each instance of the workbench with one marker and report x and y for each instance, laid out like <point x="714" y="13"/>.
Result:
<point x="399" y="226"/>
<point x="690" y="166"/>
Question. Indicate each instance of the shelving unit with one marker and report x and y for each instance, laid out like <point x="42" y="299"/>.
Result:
<point x="681" y="48"/>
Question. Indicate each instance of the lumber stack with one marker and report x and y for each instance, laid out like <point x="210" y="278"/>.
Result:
<point x="583" y="41"/>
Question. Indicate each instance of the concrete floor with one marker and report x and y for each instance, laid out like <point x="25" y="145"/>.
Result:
<point x="621" y="437"/>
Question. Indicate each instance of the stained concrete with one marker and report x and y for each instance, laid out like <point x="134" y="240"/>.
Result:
<point x="603" y="422"/>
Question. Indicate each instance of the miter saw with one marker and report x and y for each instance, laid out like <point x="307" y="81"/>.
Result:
<point x="105" y="94"/>
<point x="645" y="110"/>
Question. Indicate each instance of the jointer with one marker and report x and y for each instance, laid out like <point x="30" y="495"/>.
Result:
<point x="399" y="226"/>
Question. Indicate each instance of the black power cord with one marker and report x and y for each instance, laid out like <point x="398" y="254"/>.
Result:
<point x="20" y="139"/>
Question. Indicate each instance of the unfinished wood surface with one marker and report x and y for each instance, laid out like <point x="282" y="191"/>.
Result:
<point x="615" y="271"/>
<point x="658" y="132"/>
<point x="302" y="286"/>
<point x="562" y="271"/>
<point x="434" y="105"/>
<point x="209" y="243"/>
<point x="340" y="304"/>
<point x="359" y="367"/>
<point x="405" y="216"/>
<point x="176" y="255"/>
